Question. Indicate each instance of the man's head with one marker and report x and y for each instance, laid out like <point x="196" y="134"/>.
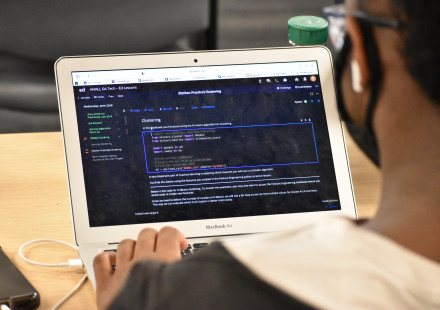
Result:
<point x="405" y="117"/>
<point x="389" y="51"/>
<point x="417" y="39"/>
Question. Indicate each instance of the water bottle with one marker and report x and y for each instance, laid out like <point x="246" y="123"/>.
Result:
<point x="307" y="30"/>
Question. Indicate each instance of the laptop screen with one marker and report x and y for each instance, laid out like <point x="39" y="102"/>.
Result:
<point x="175" y="144"/>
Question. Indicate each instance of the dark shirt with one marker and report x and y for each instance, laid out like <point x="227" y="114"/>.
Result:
<point x="211" y="279"/>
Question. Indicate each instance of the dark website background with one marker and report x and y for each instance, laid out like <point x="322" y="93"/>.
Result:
<point x="159" y="152"/>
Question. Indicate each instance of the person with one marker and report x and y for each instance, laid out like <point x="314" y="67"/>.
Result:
<point x="387" y="79"/>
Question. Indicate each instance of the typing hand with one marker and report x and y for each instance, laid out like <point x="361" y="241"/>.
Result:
<point x="164" y="246"/>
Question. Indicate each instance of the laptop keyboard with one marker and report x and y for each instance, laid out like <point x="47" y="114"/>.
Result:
<point x="194" y="248"/>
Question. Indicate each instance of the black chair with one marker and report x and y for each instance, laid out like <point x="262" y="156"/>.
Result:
<point x="33" y="34"/>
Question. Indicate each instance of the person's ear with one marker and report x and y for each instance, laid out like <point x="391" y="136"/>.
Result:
<point x="360" y="73"/>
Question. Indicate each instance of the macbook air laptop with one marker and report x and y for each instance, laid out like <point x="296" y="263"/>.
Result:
<point x="216" y="143"/>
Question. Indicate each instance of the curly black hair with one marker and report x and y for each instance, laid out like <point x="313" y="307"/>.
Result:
<point x="422" y="43"/>
<point x="421" y="48"/>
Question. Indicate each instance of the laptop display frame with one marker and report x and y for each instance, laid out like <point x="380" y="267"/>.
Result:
<point x="84" y="233"/>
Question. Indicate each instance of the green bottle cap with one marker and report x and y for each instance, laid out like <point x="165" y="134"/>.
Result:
<point x="307" y="30"/>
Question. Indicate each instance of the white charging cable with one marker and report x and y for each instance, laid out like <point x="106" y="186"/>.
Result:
<point x="68" y="295"/>
<point x="71" y="263"/>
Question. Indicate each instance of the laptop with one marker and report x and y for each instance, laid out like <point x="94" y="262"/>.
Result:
<point x="217" y="144"/>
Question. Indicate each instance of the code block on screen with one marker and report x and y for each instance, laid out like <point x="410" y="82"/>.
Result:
<point x="230" y="147"/>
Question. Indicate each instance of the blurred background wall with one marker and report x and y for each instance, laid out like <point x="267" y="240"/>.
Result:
<point x="33" y="34"/>
<point x="260" y="23"/>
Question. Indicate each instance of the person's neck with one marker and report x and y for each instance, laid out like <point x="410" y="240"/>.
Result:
<point x="408" y="131"/>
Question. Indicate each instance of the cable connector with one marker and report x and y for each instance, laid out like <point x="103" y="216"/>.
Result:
<point x="75" y="263"/>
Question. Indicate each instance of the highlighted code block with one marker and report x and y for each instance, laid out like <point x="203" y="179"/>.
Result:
<point x="230" y="147"/>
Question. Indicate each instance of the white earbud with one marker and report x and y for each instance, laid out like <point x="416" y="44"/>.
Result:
<point x="356" y="80"/>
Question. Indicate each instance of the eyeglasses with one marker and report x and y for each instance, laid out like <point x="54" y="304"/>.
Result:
<point x="335" y="14"/>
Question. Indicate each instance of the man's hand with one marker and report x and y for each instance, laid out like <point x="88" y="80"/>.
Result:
<point x="163" y="246"/>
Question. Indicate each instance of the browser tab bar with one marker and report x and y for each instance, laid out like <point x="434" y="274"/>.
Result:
<point x="194" y="73"/>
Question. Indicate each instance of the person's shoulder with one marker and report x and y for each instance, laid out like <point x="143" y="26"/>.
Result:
<point x="316" y="261"/>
